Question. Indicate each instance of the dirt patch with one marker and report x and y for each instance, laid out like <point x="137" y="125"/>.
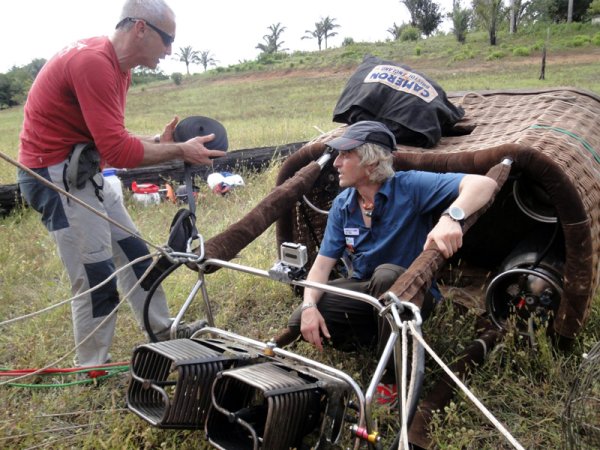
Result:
<point x="565" y="57"/>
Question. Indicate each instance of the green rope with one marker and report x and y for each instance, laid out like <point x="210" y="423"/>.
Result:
<point x="111" y="372"/>
<point x="583" y="142"/>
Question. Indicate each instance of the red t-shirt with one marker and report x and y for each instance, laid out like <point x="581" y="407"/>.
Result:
<point x="79" y="96"/>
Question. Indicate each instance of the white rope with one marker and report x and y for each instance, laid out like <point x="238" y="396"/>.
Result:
<point x="72" y="350"/>
<point x="403" y="442"/>
<point x="89" y="291"/>
<point x="466" y="390"/>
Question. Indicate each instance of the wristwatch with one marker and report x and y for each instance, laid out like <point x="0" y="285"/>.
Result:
<point x="456" y="214"/>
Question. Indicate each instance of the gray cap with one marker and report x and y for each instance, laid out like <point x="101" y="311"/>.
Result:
<point x="362" y="132"/>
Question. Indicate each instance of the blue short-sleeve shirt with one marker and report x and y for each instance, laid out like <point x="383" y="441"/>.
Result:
<point x="401" y="220"/>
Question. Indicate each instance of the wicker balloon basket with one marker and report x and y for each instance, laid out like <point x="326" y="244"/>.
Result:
<point x="543" y="227"/>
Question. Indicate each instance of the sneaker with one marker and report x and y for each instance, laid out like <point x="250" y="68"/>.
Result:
<point x="387" y="395"/>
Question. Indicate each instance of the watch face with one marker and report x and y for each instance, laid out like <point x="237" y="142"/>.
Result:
<point x="456" y="213"/>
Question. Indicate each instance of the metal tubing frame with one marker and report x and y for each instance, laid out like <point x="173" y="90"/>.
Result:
<point x="392" y="347"/>
<point x="175" y="323"/>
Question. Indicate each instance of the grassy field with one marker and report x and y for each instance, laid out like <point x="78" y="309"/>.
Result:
<point x="289" y="101"/>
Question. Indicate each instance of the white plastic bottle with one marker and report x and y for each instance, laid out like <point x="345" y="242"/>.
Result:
<point x="113" y="182"/>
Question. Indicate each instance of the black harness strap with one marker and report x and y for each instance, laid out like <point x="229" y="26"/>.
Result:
<point x="189" y="187"/>
<point x="182" y="231"/>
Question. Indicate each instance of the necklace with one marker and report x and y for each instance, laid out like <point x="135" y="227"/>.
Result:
<point x="367" y="208"/>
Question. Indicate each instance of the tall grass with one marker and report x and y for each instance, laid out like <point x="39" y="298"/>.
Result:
<point x="524" y="387"/>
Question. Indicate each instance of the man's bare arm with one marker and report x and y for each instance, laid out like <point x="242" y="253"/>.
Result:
<point x="474" y="192"/>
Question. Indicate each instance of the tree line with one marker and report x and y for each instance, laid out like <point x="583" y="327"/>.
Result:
<point x="425" y="19"/>
<point x="15" y="84"/>
<point x="489" y="15"/>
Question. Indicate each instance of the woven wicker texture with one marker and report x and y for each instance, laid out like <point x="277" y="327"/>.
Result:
<point x="553" y="136"/>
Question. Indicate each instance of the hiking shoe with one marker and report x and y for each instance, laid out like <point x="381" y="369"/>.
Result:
<point x="387" y="395"/>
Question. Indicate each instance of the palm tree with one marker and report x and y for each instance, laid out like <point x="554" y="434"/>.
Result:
<point x="272" y="44"/>
<point x="489" y="13"/>
<point x="317" y="34"/>
<point x="461" y="19"/>
<point x="395" y="31"/>
<point x="188" y="56"/>
<point x="328" y="25"/>
<point x="206" y="59"/>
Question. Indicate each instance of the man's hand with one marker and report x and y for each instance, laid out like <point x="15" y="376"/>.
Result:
<point x="474" y="192"/>
<point x="447" y="236"/>
<point x="312" y="325"/>
<point x="168" y="132"/>
<point x="194" y="151"/>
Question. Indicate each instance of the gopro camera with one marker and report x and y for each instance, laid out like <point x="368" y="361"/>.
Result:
<point x="291" y="265"/>
<point x="294" y="255"/>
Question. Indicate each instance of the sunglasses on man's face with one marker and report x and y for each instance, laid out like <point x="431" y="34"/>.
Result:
<point x="166" y="37"/>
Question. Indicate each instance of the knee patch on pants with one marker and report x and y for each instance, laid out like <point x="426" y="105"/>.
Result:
<point x="105" y="299"/>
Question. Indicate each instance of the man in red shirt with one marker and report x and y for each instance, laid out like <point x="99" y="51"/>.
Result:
<point x="79" y="97"/>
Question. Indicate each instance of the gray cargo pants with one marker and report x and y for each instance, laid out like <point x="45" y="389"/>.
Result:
<point x="90" y="249"/>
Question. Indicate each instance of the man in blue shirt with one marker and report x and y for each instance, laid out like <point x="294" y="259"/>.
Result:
<point x="381" y="221"/>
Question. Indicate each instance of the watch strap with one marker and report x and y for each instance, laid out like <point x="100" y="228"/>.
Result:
<point x="446" y="212"/>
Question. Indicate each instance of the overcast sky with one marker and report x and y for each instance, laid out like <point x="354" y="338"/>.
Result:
<point x="229" y="29"/>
